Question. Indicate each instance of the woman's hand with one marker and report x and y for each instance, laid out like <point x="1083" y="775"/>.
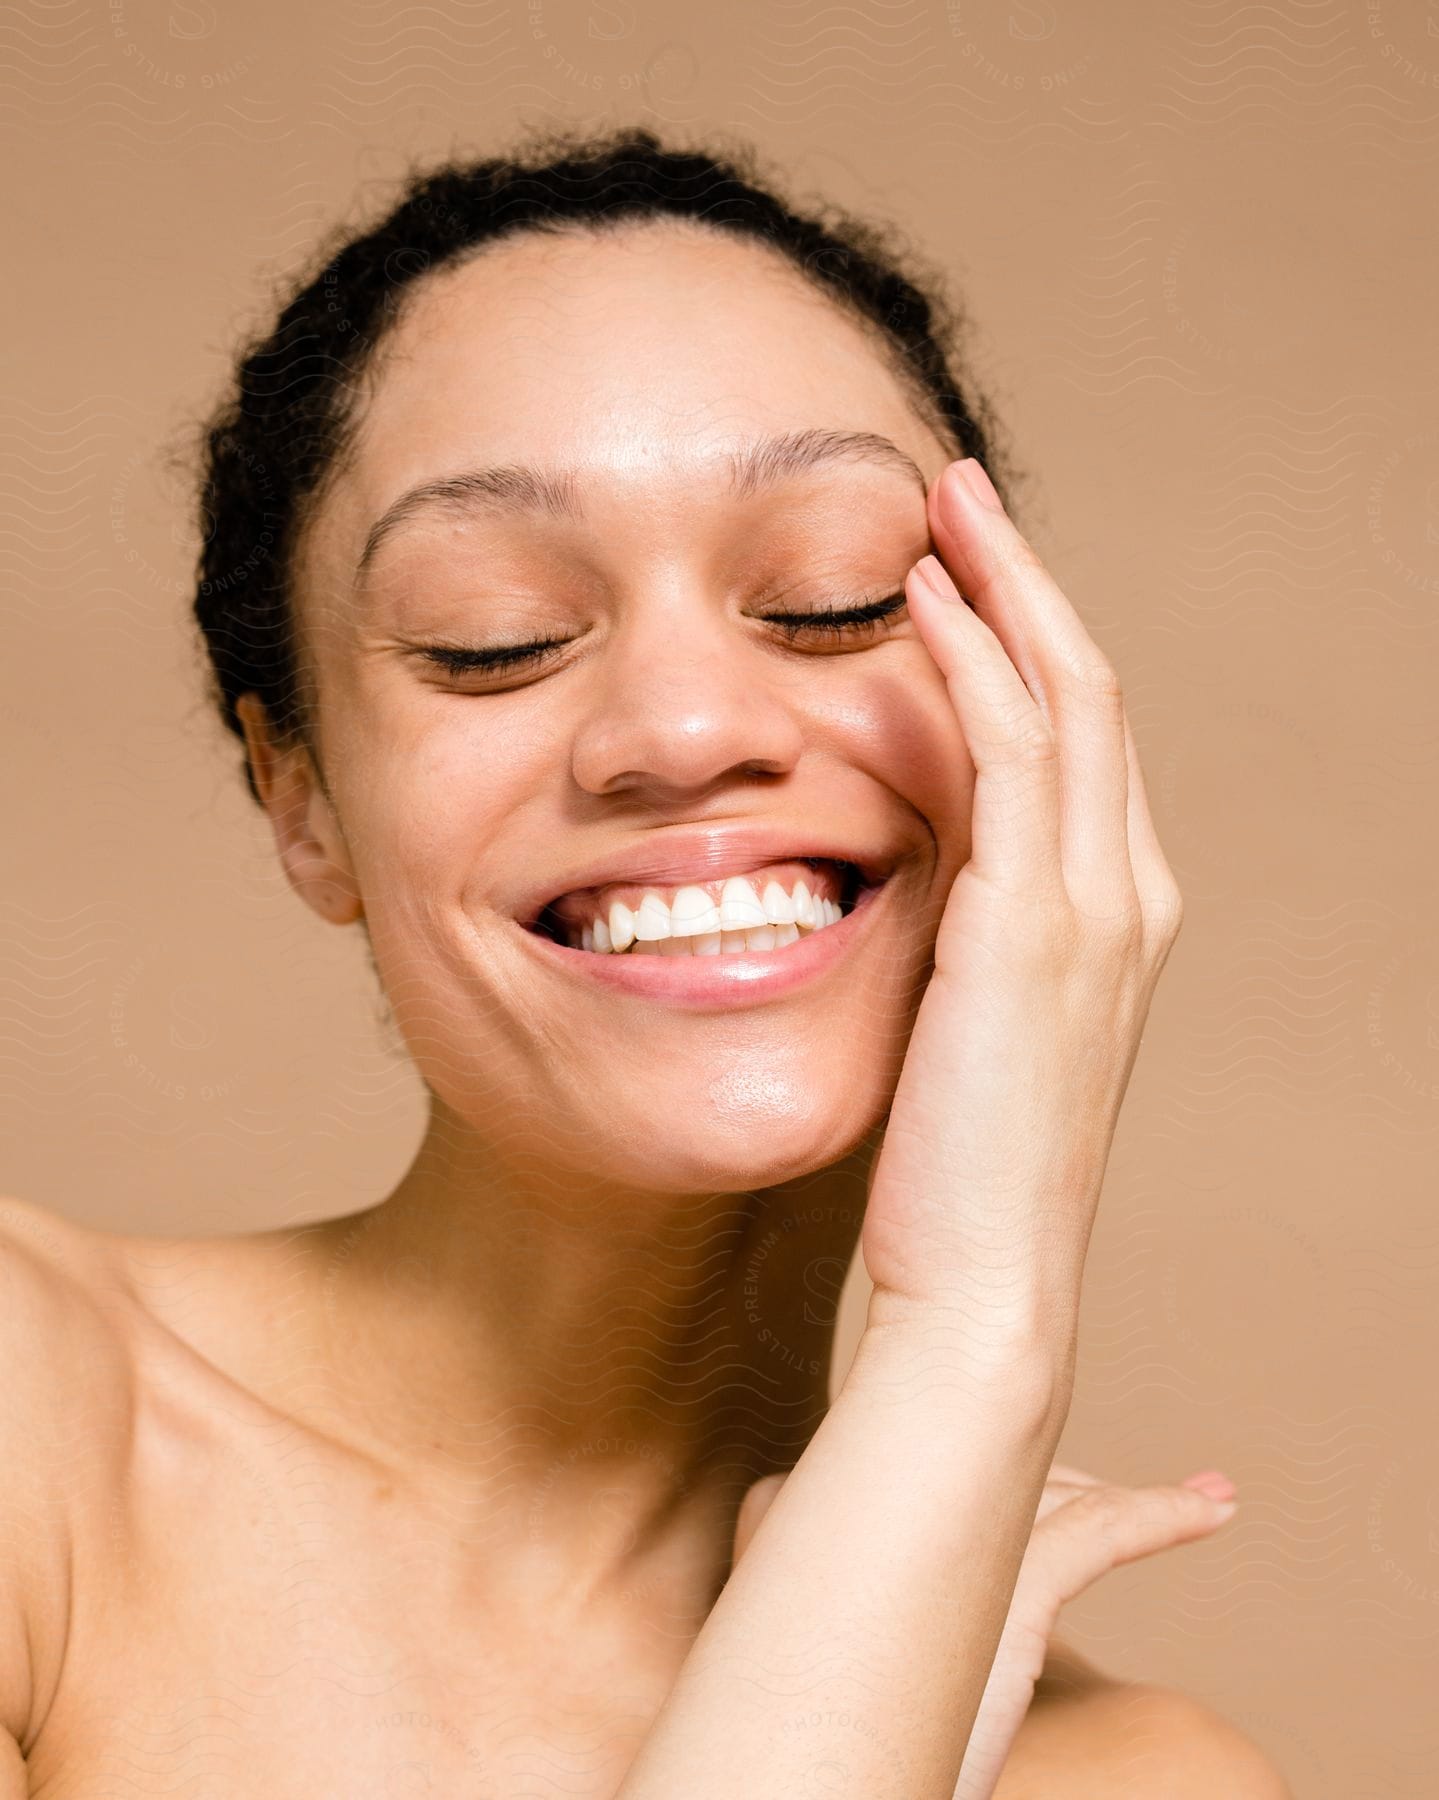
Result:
<point x="1052" y="938"/>
<point x="907" y="1519"/>
<point x="1084" y="1527"/>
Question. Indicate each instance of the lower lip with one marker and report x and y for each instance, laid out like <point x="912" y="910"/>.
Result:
<point x="739" y="979"/>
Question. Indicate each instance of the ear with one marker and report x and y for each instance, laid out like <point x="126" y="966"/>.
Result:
<point x="307" y="833"/>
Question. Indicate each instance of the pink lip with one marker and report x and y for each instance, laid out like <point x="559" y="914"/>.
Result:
<point x="702" y="853"/>
<point x="708" y="982"/>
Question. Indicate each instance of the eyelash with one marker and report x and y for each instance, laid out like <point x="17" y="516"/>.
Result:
<point x="458" y="660"/>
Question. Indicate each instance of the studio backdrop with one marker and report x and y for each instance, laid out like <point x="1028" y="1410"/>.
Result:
<point x="1195" y="243"/>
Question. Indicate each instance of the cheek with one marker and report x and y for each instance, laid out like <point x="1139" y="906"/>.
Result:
<point x="911" y="740"/>
<point x="944" y="778"/>
<point x="423" y="810"/>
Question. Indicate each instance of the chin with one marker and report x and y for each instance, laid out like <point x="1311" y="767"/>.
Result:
<point x="746" y="1132"/>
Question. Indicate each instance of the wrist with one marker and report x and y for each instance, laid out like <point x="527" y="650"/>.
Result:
<point x="941" y="1360"/>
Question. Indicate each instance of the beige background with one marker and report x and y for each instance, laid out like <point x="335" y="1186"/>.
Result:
<point x="1197" y="242"/>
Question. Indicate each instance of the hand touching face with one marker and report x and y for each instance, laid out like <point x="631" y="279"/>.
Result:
<point x="560" y="603"/>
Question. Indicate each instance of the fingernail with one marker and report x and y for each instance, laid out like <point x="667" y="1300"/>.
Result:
<point x="1225" y="1509"/>
<point x="931" y="572"/>
<point x="971" y="472"/>
<point x="1213" y="1482"/>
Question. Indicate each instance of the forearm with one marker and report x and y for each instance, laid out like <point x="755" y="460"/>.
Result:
<point x="855" y="1637"/>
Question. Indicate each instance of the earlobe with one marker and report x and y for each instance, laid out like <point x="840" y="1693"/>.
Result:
<point x="337" y="900"/>
<point x="307" y="835"/>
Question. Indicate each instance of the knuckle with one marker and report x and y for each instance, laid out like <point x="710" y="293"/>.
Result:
<point x="1165" y="910"/>
<point x="1094" y="676"/>
<point x="1031" y="744"/>
<point x="1054" y="940"/>
<point x="1022" y="557"/>
<point x="1119" y="929"/>
<point x="1028" y="1645"/>
<point x="1044" y="943"/>
<point x="1107" y="1509"/>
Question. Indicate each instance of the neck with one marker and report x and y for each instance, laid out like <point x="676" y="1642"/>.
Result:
<point x="664" y="1350"/>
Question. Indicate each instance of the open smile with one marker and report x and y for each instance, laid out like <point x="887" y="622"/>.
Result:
<point x="713" y="944"/>
<point x="765" y="909"/>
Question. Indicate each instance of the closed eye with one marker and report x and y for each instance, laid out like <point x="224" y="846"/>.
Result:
<point x="461" y="659"/>
<point x="861" y="619"/>
<point x="834" y="623"/>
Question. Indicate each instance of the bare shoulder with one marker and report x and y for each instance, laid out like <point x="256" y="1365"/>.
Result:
<point x="60" y="1279"/>
<point x="1088" y="1736"/>
<point x="67" y="1344"/>
<point x="64" y="1390"/>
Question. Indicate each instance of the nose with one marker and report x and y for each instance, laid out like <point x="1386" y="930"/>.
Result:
<point x="681" y="704"/>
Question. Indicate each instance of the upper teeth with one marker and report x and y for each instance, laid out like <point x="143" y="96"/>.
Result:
<point x="743" y="919"/>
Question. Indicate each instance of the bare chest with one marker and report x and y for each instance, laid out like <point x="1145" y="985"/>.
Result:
<point x="252" y="1618"/>
<point x="257" y="1622"/>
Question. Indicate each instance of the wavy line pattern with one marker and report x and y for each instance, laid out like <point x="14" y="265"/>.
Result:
<point x="1193" y="246"/>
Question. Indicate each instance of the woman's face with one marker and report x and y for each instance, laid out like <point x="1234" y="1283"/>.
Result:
<point x="674" y="733"/>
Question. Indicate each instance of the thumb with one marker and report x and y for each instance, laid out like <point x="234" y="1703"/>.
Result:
<point x="753" y="1508"/>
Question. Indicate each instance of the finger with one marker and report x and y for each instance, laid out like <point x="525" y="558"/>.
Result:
<point x="1159" y="896"/>
<point x="1055" y="1495"/>
<point x="1213" y="1482"/>
<point x="1073" y="683"/>
<point x="1015" y="817"/>
<point x="1063" y="1484"/>
<point x="1106" y="1526"/>
<point x="1078" y="1477"/>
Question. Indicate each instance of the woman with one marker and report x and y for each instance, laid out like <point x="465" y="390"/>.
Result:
<point x="582" y="573"/>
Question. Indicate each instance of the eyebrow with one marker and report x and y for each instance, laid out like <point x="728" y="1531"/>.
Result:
<point x="519" y="489"/>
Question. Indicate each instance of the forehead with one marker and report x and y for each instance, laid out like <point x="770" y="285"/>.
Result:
<point x="636" y="357"/>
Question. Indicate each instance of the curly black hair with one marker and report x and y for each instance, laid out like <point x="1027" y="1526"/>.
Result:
<point x="285" y="425"/>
